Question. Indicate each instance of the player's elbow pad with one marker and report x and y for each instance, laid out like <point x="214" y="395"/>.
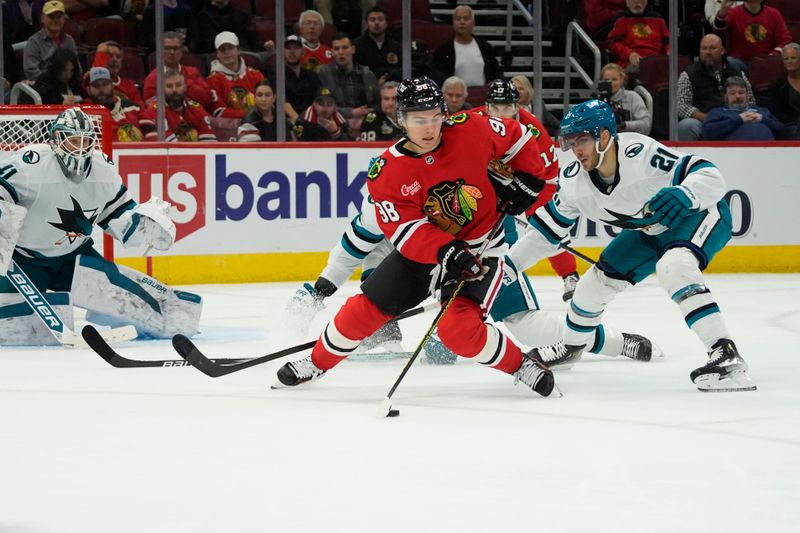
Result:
<point x="147" y="224"/>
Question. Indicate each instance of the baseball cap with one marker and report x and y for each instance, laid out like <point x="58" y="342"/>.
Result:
<point x="54" y="6"/>
<point x="226" y="37"/>
<point x="99" y="73"/>
<point x="323" y="92"/>
<point x="293" y="39"/>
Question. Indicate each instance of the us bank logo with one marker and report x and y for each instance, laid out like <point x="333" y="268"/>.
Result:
<point x="178" y="179"/>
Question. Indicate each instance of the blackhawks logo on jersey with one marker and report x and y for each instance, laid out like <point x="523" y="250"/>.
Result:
<point x="451" y="205"/>
<point x="375" y="168"/>
<point x="458" y="118"/>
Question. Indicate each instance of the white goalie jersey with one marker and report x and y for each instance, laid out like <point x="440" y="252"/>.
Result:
<point x="61" y="214"/>
<point x="644" y="166"/>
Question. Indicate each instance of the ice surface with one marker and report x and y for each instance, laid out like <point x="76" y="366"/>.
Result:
<point x="87" y="448"/>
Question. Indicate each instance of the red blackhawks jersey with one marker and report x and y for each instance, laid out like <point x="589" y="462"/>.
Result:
<point x="192" y="123"/>
<point x="423" y="201"/>
<point x="233" y="93"/>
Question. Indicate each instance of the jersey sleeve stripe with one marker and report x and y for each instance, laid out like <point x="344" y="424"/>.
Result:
<point x="699" y="165"/>
<point x="364" y="234"/>
<point x="8" y="188"/>
<point x="120" y="194"/>
<point x="551" y="236"/>
<point x="680" y="171"/>
<point x="525" y="137"/>
<point x="350" y="247"/>
<point x="130" y="204"/>
<point x="557" y="217"/>
<point x="405" y="231"/>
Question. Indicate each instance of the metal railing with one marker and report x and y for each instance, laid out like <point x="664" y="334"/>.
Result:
<point x="576" y="34"/>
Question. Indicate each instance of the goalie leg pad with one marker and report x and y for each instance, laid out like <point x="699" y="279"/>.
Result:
<point x="11" y="218"/>
<point x="130" y="297"/>
<point x="19" y="326"/>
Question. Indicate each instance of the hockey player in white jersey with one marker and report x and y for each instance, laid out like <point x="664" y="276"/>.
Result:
<point x="674" y="220"/>
<point x="51" y="197"/>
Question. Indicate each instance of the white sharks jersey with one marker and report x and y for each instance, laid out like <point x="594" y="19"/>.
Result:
<point x="644" y="166"/>
<point x="61" y="213"/>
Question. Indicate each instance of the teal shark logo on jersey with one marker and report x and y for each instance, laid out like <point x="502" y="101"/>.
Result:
<point x="621" y="220"/>
<point x="75" y="223"/>
<point x="634" y="150"/>
<point x="572" y="169"/>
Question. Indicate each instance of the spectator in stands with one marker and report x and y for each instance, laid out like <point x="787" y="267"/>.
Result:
<point x="232" y="82"/>
<point x="382" y="125"/>
<point x="637" y="33"/>
<point x="455" y="95"/>
<point x="739" y="121"/>
<point x="599" y="16"/>
<point x="219" y="16"/>
<point x="629" y="108"/>
<point x="375" y="50"/>
<point x="302" y="85"/>
<point x="321" y="121"/>
<point x="260" y="123"/>
<point x="21" y="19"/>
<point x="712" y="8"/>
<point x="178" y="17"/>
<point x="60" y="84"/>
<point x="421" y="64"/>
<point x="526" y="95"/>
<point x="353" y="86"/>
<point x="197" y="87"/>
<point x="469" y="57"/>
<point x="783" y="96"/>
<point x="124" y="113"/>
<point x="315" y="53"/>
<point x="753" y="29"/>
<point x="43" y="44"/>
<point x="185" y="119"/>
<point x="701" y="87"/>
<point x="109" y="55"/>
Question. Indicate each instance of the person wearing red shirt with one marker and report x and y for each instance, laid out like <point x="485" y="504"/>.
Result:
<point x="197" y="87"/>
<point x="637" y="34"/>
<point x="186" y="120"/>
<point x="232" y="82"/>
<point x="315" y="53"/>
<point x="599" y="15"/>
<point x="109" y="55"/>
<point x="438" y="206"/>
<point x="753" y="29"/>
<point x="124" y="113"/>
<point x="502" y="101"/>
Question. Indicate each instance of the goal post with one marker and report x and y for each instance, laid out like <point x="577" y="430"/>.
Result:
<point x="22" y="125"/>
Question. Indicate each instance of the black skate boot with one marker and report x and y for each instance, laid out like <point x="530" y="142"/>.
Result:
<point x="535" y="375"/>
<point x="639" y="348"/>
<point x="570" y="282"/>
<point x="558" y="355"/>
<point x="298" y="372"/>
<point x="725" y="371"/>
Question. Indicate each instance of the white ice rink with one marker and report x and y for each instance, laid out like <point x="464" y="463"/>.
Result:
<point x="632" y="447"/>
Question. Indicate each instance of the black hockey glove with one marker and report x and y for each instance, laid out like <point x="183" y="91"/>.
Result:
<point x="457" y="260"/>
<point x="520" y="194"/>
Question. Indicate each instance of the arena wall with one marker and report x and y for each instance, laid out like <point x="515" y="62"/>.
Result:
<point x="248" y="212"/>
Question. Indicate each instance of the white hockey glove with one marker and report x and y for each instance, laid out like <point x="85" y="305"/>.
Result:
<point x="11" y="218"/>
<point x="147" y="224"/>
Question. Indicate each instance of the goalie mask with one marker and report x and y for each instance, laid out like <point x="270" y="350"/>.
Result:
<point x="72" y="137"/>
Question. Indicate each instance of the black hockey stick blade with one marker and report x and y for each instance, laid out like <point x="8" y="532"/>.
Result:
<point x="99" y="345"/>
<point x="193" y="356"/>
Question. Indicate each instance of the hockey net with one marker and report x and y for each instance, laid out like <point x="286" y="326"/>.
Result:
<point x="21" y="125"/>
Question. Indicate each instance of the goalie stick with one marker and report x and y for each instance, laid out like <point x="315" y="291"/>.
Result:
<point x="212" y="368"/>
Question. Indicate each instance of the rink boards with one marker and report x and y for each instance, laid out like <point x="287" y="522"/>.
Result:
<point x="271" y="212"/>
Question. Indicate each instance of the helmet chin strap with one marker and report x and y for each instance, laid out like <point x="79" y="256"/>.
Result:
<point x="602" y="153"/>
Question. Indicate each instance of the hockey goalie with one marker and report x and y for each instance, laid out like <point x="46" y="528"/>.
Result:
<point x="51" y="197"/>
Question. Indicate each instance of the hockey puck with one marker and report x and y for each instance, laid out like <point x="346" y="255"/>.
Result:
<point x="393" y="413"/>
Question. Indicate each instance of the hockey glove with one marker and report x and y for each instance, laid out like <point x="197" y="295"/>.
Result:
<point x="670" y="205"/>
<point x="458" y="261"/>
<point x="516" y="197"/>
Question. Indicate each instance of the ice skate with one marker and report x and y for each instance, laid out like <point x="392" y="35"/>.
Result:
<point x="570" y="282"/>
<point x="387" y="340"/>
<point x="301" y="309"/>
<point x="297" y="373"/>
<point x="725" y="371"/>
<point x="557" y="355"/>
<point x="535" y="375"/>
<point x="639" y="348"/>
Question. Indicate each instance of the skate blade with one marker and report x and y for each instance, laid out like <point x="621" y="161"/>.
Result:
<point x="657" y="352"/>
<point x="734" y="382"/>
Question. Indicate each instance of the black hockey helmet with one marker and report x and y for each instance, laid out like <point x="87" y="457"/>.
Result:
<point x="502" y="92"/>
<point x="419" y="94"/>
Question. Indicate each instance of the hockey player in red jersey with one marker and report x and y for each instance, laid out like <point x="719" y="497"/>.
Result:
<point x="437" y="205"/>
<point x="502" y="102"/>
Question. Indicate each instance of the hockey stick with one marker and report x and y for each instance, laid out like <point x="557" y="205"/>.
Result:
<point x="385" y="409"/>
<point x="42" y="308"/>
<point x="577" y="254"/>
<point x="187" y="349"/>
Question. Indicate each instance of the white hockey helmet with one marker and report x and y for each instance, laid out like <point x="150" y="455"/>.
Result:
<point x="72" y="137"/>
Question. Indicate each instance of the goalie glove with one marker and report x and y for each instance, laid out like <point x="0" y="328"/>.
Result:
<point x="520" y="193"/>
<point x="11" y="218"/>
<point x="147" y="224"/>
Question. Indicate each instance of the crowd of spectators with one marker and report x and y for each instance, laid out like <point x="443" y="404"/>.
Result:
<point x="219" y="66"/>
